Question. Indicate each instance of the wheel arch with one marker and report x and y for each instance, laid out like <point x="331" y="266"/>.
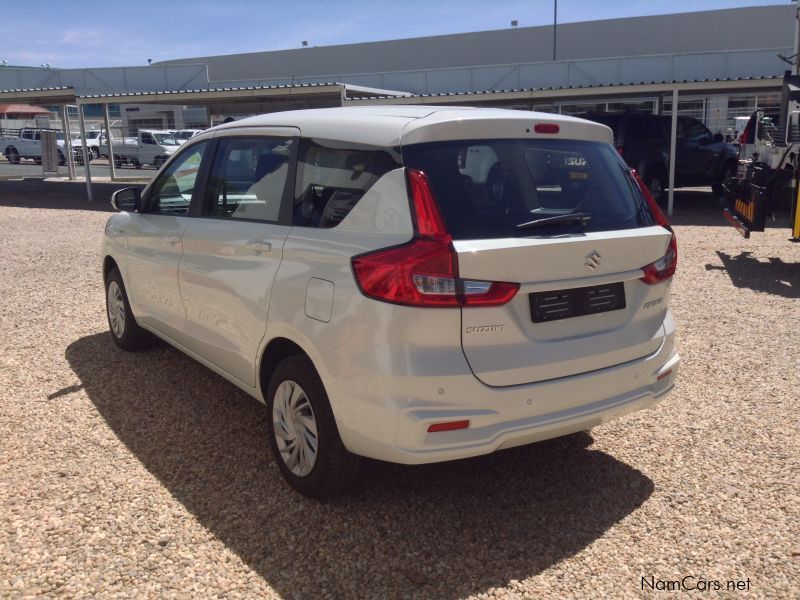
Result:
<point x="276" y="350"/>
<point x="108" y="264"/>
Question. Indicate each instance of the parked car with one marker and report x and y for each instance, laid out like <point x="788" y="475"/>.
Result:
<point x="26" y="143"/>
<point x="181" y="135"/>
<point x="149" y="147"/>
<point x="94" y="139"/>
<point x="643" y="140"/>
<point x="409" y="284"/>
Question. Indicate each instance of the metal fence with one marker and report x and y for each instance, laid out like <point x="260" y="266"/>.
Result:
<point x="142" y="138"/>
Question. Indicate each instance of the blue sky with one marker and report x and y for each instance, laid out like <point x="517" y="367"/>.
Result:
<point x="84" y="33"/>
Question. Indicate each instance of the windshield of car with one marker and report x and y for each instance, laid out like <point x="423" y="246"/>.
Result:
<point x="488" y="188"/>
<point x="165" y="139"/>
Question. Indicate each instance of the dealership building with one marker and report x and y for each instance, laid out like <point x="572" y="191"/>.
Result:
<point x="722" y="64"/>
<point x="724" y="61"/>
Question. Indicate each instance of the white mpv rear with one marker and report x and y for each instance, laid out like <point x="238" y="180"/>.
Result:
<point x="411" y="284"/>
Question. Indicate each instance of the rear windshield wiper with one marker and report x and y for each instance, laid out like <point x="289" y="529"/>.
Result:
<point x="575" y="217"/>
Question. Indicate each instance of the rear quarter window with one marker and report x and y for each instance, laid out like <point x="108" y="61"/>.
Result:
<point x="331" y="180"/>
<point x="486" y="188"/>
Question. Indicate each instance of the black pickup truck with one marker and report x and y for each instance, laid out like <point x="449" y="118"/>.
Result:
<point x="643" y="141"/>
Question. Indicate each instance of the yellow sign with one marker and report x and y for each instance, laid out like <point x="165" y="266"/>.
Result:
<point x="746" y="209"/>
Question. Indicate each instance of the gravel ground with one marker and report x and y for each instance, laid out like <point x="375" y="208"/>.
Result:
<point x="146" y="475"/>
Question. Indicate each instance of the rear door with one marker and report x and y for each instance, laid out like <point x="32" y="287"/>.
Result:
<point x="581" y="305"/>
<point x="233" y="249"/>
<point x="694" y="152"/>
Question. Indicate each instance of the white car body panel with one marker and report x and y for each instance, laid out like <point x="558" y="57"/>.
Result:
<point x="389" y="370"/>
<point x="153" y="252"/>
<point x="225" y="281"/>
<point x="504" y="347"/>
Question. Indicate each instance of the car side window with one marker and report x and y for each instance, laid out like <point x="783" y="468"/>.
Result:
<point x="172" y="192"/>
<point x="331" y="181"/>
<point x="697" y="132"/>
<point x="249" y="178"/>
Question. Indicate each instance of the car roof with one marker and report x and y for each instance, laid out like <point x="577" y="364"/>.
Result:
<point x="393" y="125"/>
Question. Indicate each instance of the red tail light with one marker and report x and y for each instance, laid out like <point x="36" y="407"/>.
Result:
<point x="664" y="267"/>
<point x="424" y="272"/>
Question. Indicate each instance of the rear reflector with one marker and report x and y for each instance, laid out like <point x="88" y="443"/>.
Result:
<point x="452" y="425"/>
<point x="664" y="375"/>
<point x="546" y="128"/>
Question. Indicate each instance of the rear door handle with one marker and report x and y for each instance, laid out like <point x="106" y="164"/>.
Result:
<point x="172" y="239"/>
<point x="259" y="246"/>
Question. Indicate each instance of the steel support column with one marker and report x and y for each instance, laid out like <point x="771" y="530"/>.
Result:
<point x="111" y="163"/>
<point x="67" y="143"/>
<point x="86" y="170"/>
<point x="673" y="137"/>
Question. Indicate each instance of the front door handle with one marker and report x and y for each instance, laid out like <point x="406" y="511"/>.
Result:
<point x="259" y="246"/>
<point x="173" y="239"/>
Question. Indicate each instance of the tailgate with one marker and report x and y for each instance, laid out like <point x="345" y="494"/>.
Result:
<point x="592" y="309"/>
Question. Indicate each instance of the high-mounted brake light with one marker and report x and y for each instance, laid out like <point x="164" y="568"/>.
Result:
<point x="546" y="128"/>
<point x="664" y="267"/>
<point x="424" y="271"/>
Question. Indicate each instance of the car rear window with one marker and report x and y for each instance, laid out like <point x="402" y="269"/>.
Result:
<point x="487" y="188"/>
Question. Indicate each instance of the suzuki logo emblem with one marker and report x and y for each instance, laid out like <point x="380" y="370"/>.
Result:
<point x="592" y="261"/>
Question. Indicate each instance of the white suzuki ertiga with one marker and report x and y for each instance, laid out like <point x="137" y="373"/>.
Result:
<point x="411" y="284"/>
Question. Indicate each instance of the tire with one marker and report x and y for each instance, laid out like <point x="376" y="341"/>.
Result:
<point x="122" y="325"/>
<point x="656" y="182"/>
<point x="37" y="160"/>
<point x="62" y="160"/>
<point x="12" y="156"/>
<point x="136" y="163"/>
<point x="95" y="152"/>
<point x="158" y="162"/>
<point x="717" y="187"/>
<point x="296" y="390"/>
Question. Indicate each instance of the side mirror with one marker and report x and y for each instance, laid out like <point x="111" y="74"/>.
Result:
<point x="717" y="138"/>
<point x="127" y="200"/>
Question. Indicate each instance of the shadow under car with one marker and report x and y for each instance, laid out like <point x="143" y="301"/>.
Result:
<point x="436" y="531"/>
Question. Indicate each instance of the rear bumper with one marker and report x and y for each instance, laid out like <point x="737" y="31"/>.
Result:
<point x="394" y="428"/>
<point x="499" y="434"/>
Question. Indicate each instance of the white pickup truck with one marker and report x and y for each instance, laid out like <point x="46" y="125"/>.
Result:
<point x="27" y="143"/>
<point x="149" y="147"/>
<point x="94" y="139"/>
